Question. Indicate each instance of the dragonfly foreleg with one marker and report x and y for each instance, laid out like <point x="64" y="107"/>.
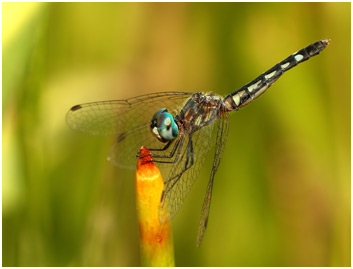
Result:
<point x="171" y="154"/>
<point x="174" y="153"/>
<point x="162" y="149"/>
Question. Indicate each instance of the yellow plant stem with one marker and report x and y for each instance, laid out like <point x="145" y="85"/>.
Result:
<point x="156" y="239"/>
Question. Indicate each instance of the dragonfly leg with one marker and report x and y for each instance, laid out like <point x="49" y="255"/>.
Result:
<point x="190" y="152"/>
<point x="171" y="154"/>
<point x="170" y="183"/>
<point x="178" y="145"/>
<point x="188" y="164"/>
<point x="162" y="149"/>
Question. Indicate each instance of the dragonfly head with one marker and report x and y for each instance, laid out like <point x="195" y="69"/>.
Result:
<point x="163" y="126"/>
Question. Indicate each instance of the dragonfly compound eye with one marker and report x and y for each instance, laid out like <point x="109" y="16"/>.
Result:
<point x="167" y="128"/>
<point x="163" y="126"/>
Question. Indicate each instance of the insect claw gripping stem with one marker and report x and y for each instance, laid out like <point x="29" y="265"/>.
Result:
<point x="147" y="158"/>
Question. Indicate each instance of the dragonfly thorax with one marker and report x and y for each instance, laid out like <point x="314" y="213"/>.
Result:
<point x="163" y="126"/>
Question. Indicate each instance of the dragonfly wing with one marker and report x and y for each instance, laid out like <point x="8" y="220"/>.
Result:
<point x="194" y="147"/>
<point x="126" y="147"/>
<point x="128" y="119"/>
<point x="118" y="116"/>
<point x="222" y="131"/>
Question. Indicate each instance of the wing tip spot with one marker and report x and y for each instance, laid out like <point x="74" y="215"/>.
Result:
<point x="121" y="137"/>
<point x="76" y="107"/>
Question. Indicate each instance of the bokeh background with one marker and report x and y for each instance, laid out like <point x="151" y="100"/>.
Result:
<point x="282" y="192"/>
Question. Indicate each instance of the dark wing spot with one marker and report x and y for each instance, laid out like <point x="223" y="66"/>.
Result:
<point x="206" y="221"/>
<point x="121" y="137"/>
<point x="76" y="107"/>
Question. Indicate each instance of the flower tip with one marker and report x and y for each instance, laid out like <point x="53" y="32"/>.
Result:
<point x="145" y="160"/>
<point x="145" y="154"/>
<point x="156" y="239"/>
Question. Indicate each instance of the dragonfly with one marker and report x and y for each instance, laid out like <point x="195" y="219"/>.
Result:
<point x="178" y="128"/>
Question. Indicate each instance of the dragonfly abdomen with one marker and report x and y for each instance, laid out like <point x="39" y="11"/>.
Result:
<point x="258" y="86"/>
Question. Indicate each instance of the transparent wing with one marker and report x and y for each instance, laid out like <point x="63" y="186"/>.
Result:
<point x="128" y="119"/>
<point x="127" y="145"/>
<point x="222" y="132"/>
<point x="118" y="116"/>
<point x="180" y="180"/>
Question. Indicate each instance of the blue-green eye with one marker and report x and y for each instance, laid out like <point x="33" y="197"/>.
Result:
<point x="163" y="126"/>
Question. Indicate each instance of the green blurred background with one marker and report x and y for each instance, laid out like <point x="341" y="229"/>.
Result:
<point x="282" y="192"/>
